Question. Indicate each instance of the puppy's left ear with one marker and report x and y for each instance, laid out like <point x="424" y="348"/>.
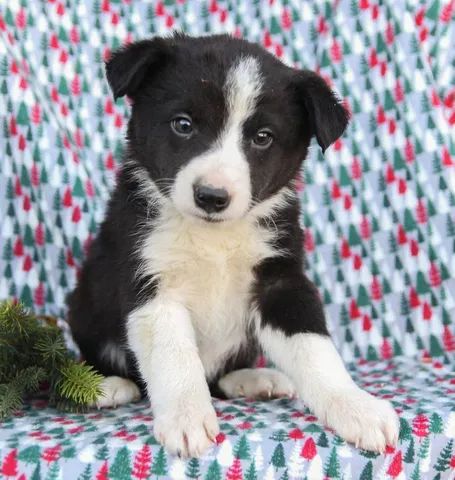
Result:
<point x="326" y="114"/>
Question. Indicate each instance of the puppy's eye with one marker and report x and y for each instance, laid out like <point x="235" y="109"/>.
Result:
<point x="263" y="139"/>
<point x="182" y="125"/>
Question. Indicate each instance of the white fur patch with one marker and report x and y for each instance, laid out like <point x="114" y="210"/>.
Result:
<point x="326" y="387"/>
<point x="268" y="207"/>
<point x="147" y="189"/>
<point x="115" y="355"/>
<point x="208" y="268"/>
<point x="224" y="165"/>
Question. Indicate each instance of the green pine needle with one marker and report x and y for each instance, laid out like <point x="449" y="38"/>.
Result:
<point x="28" y="380"/>
<point x="10" y="399"/>
<point x="79" y="383"/>
<point x="52" y="348"/>
<point x="14" y="319"/>
<point x="33" y="351"/>
<point x="24" y="382"/>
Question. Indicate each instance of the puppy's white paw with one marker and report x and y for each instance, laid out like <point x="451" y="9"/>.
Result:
<point x="117" y="391"/>
<point x="368" y="422"/>
<point x="258" y="383"/>
<point x="186" y="430"/>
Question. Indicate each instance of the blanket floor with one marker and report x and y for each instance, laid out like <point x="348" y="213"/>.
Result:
<point x="279" y="439"/>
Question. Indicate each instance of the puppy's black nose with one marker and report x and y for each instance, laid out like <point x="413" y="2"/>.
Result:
<point x="210" y="199"/>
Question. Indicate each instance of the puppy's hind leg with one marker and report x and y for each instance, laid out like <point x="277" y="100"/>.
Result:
<point x="257" y="383"/>
<point x="117" y="391"/>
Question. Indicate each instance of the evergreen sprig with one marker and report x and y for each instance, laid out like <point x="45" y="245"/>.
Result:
<point x="33" y="352"/>
<point x="79" y="383"/>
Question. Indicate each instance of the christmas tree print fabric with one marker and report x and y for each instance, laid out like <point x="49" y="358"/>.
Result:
<point x="273" y="440"/>
<point x="378" y="210"/>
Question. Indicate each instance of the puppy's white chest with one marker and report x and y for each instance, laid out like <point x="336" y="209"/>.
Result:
<point x="209" y="269"/>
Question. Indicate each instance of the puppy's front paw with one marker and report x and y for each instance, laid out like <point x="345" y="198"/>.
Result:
<point x="187" y="431"/>
<point x="368" y="422"/>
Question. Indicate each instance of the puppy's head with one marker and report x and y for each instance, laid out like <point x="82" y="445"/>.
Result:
<point x="219" y="124"/>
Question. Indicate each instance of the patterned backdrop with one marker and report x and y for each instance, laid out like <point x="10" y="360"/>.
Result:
<point x="378" y="209"/>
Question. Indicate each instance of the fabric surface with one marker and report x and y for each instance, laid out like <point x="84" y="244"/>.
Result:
<point x="378" y="209"/>
<point x="259" y="440"/>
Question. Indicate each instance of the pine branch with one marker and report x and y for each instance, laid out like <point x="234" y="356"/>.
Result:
<point x="52" y="348"/>
<point x="28" y="380"/>
<point x="79" y="383"/>
<point x="15" y="319"/>
<point x="10" y="399"/>
<point x="8" y="359"/>
<point x="70" y="407"/>
<point x="32" y="349"/>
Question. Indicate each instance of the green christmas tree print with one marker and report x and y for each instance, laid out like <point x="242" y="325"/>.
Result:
<point x="159" y="466"/>
<point x="377" y="207"/>
<point x="121" y="467"/>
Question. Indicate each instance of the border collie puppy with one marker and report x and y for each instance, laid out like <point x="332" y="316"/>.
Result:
<point x="198" y="264"/>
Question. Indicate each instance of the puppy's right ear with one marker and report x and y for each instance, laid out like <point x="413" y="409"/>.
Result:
<point x="128" y="66"/>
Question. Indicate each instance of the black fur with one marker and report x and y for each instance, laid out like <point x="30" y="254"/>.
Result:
<point x="287" y="300"/>
<point x="167" y="76"/>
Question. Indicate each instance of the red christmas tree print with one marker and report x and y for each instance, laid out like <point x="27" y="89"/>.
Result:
<point x="335" y="51"/>
<point x="354" y="311"/>
<point x="365" y="228"/>
<point x="235" y="470"/>
<point x="414" y="300"/>
<point x="446" y="158"/>
<point x="76" y="215"/>
<point x="67" y="198"/>
<point x="13" y="127"/>
<point x="356" y="169"/>
<point x="421" y="212"/>
<point x="366" y="323"/>
<point x="390" y="174"/>
<point x="51" y="454"/>
<point x="345" y="250"/>
<point x="38" y="296"/>
<point x="401" y="237"/>
<point x="414" y="247"/>
<point x="296" y="434"/>
<point x="427" y="311"/>
<point x="409" y="151"/>
<point x="286" y="19"/>
<point x="386" y="350"/>
<point x="396" y="465"/>
<point x="448" y="338"/>
<point x="308" y="241"/>
<point x="336" y="191"/>
<point x="39" y="234"/>
<point x="142" y="463"/>
<point x="435" y="276"/>
<point x="9" y="465"/>
<point x="376" y="291"/>
<point x="103" y="472"/>
<point x="420" y="425"/>
<point x="34" y="175"/>
<point x="309" y="450"/>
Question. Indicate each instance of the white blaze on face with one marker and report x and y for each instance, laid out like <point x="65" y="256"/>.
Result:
<point x="225" y="165"/>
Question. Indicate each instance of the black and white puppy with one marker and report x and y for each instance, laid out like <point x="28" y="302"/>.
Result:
<point x="198" y="264"/>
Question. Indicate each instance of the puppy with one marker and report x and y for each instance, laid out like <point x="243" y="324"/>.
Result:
<point x="198" y="264"/>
